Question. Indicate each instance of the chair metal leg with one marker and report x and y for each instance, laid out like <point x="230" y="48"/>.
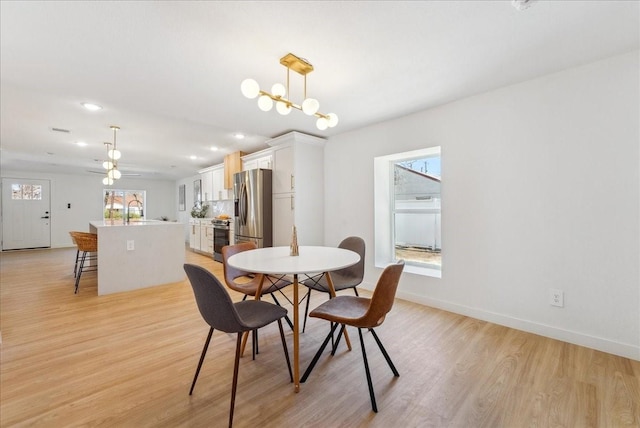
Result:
<point x="306" y="309"/>
<point x="75" y="267"/>
<point x="384" y="352"/>
<point x="286" y="351"/>
<point x="204" y="352"/>
<point x="84" y="256"/>
<point x="235" y="378"/>
<point x="335" y="345"/>
<point x="286" y="317"/>
<point x="317" y="356"/>
<point x="366" y="369"/>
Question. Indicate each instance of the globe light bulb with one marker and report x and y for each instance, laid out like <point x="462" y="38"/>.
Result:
<point x="116" y="174"/>
<point x="310" y="106"/>
<point x="278" y="90"/>
<point x="265" y="103"/>
<point x="114" y="154"/>
<point x="283" y="108"/>
<point x="333" y="119"/>
<point x="322" y="123"/>
<point x="107" y="165"/>
<point x="107" y="181"/>
<point x="250" y="88"/>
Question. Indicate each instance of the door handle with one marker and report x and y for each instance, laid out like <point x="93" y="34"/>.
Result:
<point x="45" y="216"/>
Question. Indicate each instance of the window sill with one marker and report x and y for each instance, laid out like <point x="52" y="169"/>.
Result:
<point x="416" y="270"/>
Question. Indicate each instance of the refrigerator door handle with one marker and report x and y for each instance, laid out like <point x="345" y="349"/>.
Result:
<point x="243" y="204"/>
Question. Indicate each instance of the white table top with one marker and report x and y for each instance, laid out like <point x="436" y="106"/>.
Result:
<point x="276" y="260"/>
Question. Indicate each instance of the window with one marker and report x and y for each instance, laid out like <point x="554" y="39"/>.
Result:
<point x="408" y="210"/>
<point x="26" y="191"/>
<point x="121" y="204"/>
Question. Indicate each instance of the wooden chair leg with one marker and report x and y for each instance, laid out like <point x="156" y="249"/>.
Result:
<point x="368" y="373"/>
<point x="204" y="352"/>
<point x="235" y="378"/>
<point x="286" y="351"/>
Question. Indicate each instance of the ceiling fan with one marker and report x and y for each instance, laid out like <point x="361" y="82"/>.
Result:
<point x="124" y="174"/>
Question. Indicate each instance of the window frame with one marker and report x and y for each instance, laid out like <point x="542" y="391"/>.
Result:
<point x="384" y="210"/>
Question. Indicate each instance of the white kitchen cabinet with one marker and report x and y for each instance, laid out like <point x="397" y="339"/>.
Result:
<point x="298" y="189"/>
<point x="262" y="159"/>
<point x="206" y="185"/>
<point x="283" y="219"/>
<point x="206" y="237"/>
<point x="219" y="192"/>
<point x="194" y="234"/>
<point x="284" y="171"/>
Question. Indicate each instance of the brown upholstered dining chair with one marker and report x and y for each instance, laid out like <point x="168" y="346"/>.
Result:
<point x="221" y="313"/>
<point x="349" y="277"/>
<point x="362" y="313"/>
<point x="246" y="282"/>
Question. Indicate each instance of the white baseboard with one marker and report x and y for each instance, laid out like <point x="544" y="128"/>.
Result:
<point x="576" y="338"/>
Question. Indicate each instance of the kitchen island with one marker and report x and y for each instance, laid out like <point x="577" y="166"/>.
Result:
<point x="139" y="254"/>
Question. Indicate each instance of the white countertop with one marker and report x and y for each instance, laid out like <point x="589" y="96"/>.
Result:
<point x="112" y="223"/>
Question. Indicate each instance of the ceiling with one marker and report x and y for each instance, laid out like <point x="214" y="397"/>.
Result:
<point x="169" y="73"/>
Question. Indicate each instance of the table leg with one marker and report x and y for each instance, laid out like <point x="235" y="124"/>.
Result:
<point x="296" y="337"/>
<point x="332" y="292"/>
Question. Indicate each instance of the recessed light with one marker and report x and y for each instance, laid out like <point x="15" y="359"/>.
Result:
<point x="81" y="143"/>
<point x="193" y="157"/>
<point x="214" y="149"/>
<point x="91" y="106"/>
<point x="238" y="135"/>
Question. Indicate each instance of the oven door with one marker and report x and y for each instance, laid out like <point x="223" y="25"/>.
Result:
<point x="220" y="239"/>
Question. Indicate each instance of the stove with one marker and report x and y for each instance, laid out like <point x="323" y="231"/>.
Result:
<point x="220" y="223"/>
<point x="221" y="232"/>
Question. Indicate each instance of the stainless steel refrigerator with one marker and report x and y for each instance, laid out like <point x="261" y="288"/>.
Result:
<point x="253" y="207"/>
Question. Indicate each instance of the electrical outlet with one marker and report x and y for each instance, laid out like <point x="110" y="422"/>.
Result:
<point x="130" y="245"/>
<point x="556" y="297"/>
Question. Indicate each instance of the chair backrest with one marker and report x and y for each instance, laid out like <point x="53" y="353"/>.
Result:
<point x="213" y="300"/>
<point x="384" y="294"/>
<point x="356" y="244"/>
<point x="231" y="273"/>
<point x="73" y="236"/>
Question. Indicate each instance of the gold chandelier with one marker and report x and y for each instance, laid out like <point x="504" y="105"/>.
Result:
<point x="279" y="94"/>
<point x="111" y="164"/>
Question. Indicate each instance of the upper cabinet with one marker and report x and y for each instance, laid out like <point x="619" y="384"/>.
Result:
<point x="213" y="183"/>
<point x="232" y="164"/>
<point x="206" y="185"/>
<point x="262" y="159"/>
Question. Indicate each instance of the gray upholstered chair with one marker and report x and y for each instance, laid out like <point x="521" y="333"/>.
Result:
<point x="361" y="312"/>
<point x="221" y="313"/>
<point x="349" y="277"/>
<point x="246" y="282"/>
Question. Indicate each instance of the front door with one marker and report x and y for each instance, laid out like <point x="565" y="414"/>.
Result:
<point x="26" y="214"/>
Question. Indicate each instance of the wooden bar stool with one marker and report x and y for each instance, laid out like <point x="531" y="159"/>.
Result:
<point x="87" y="244"/>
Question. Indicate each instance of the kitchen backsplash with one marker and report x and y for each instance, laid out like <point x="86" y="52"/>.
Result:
<point x="220" y="207"/>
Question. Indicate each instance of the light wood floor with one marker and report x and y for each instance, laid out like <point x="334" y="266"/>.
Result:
<point x="127" y="360"/>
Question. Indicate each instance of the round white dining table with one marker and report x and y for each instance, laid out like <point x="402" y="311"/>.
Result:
<point x="310" y="260"/>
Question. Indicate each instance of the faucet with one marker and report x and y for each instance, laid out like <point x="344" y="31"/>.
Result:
<point x="129" y="208"/>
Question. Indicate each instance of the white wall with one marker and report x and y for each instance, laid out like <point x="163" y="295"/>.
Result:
<point x="85" y="196"/>
<point x="540" y="189"/>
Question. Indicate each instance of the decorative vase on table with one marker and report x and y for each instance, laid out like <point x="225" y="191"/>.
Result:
<point x="293" y="248"/>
